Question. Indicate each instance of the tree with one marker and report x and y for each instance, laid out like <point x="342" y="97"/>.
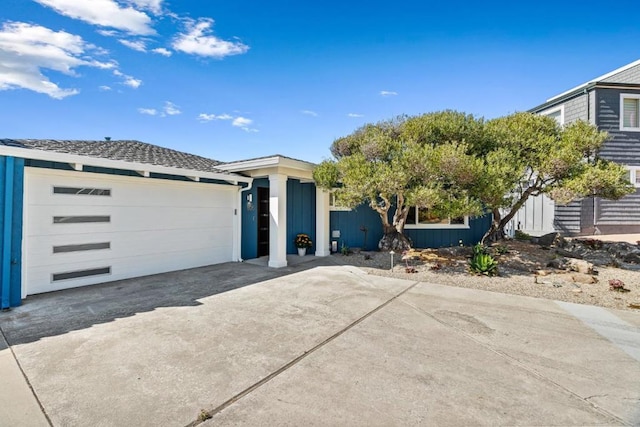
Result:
<point x="422" y="161"/>
<point x="529" y="155"/>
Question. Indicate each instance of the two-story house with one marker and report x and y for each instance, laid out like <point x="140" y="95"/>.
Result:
<point x="611" y="102"/>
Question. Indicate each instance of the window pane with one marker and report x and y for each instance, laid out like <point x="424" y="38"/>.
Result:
<point x="556" y="115"/>
<point x="630" y="113"/>
<point x="637" y="176"/>
<point x="459" y="220"/>
<point x="411" y="216"/>
<point x="81" y="247"/>
<point x="81" y="273"/>
<point x="86" y="191"/>
<point x="426" y="217"/>
<point x="80" y="219"/>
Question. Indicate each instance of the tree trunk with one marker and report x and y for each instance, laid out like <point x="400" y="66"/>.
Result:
<point x="393" y="240"/>
<point x="496" y="231"/>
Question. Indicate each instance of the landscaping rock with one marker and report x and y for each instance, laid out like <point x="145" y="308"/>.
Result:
<point x="551" y="239"/>
<point x="580" y="266"/>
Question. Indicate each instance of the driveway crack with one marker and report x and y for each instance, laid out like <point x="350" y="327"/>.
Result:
<point x="24" y="375"/>
<point x="212" y="412"/>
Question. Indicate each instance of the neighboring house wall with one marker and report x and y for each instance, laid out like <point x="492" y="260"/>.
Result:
<point x="11" y="213"/>
<point x="576" y="109"/>
<point x="632" y="75"/>
<point x="622" y="147"/>
<point x="351" y="223"/>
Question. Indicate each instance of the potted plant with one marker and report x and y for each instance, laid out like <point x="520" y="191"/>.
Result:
<point x="303" y="242"/>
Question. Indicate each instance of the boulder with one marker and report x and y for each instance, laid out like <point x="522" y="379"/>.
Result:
<point x="580" y="266"/>
<point x="551" y="239"/>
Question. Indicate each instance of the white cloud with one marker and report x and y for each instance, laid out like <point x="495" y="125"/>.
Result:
<point x="171" y="109"/>
<point x="204" y="117"/>
<point x="388" y="93"/>
<point x="108" y="33"/>
<point x="309" y="113"/>
<point x="243" y="123"/>
<point x="128" y="80"/>
<point x="238" y="121"/>
<point x="148" y="111"/>
<point x="106" y="13"/>
<point x="161" y="51"/>
<point x="355" y="115"/>
<point x="104" y="88"/>
<point x="27" y="49"/>
<point x="154" y="6"/>
<point x="199" y="40"/>
<point x="138" y="45"/>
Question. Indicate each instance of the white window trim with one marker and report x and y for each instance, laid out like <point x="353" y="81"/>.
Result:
<point x="333" y="207"/>
<point x="624" y="96"/>
<point x="555" y="110"/>
<point x="634" y="172"/>
<point x="437" y="226"/>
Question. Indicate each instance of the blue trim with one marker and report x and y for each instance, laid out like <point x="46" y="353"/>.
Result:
<point x="11" y="196"/>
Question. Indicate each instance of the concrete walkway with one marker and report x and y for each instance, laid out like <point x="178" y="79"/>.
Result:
<point x="319" y="344"/>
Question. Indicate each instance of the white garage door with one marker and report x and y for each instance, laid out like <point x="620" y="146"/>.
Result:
<point x="85" y="228"/>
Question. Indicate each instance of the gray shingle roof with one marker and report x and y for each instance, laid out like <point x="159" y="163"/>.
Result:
<point x="129" y="151"/>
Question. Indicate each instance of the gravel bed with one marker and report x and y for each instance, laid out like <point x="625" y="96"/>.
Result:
<point x="516" y="276"/>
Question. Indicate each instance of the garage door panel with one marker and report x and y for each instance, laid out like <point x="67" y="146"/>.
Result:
<point x="155" y="226"/>
<point x="124" y="245"/>
<point x="41" y="278"/>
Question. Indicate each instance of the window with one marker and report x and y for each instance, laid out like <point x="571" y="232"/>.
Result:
<point x="633" y="175"/>
<point x="333" y="204"/>
<point x="80" y="273"/>
<point x="80" y="219"/>
<point x="556" y="113"/>
<point x="82" y="191"/>
<point x="630" y="112"/>
<point x="81" y="247"/>
<point x="422" y="218"/>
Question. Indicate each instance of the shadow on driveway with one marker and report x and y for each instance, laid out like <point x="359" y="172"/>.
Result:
<point x="57" y="313"/>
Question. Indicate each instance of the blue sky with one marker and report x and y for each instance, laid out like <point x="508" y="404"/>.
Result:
<point x="234" y="80"/>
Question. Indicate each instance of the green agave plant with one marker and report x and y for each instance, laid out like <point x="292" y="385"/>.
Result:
<point x="483" y="264"/>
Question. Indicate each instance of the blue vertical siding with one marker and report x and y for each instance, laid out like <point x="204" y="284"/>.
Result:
<point x="349" y="223"/>
<point x="11" y="207"/>
<point x="301" y="213"/>
<point x="249" y="248"/>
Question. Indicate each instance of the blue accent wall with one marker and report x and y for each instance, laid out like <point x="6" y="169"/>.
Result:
<point x="11" y="206"/>
<point x="301" y="213"/>
<point x="249" y="248"/>
<point x="349" y="223"/>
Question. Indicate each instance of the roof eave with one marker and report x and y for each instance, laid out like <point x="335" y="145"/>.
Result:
<point x="76" y="159"/>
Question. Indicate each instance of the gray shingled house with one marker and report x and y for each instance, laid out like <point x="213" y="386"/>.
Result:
<point x="611" y="102"/>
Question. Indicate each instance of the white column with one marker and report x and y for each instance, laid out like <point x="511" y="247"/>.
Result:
<point x="322" y="223"/>
<point x="277" y="220"/>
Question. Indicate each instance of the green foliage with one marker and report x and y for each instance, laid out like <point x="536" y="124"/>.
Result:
<point x="456" y="164"/>
<point x="501" y="249"/>
<point x="345" y="250"/>
<point x="522" y="236"/>
<point x="483" y="263"/>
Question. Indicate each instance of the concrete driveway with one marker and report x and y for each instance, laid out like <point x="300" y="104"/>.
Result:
<point x="314" y="344"/>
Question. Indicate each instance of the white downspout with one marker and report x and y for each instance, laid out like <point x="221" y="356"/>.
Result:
<point x="239" y="220"/>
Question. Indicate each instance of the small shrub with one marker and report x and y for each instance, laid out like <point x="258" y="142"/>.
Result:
<point x="344" y="250"/>
<point x="521" y="235"/>
<point x="303" y="241"/>
<point x="617" y="285"/>
<point x="204" y="415"/>
<point x="502" y="249"/>
<point x="485" y="264"/>
<point x="479" y="249"/>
